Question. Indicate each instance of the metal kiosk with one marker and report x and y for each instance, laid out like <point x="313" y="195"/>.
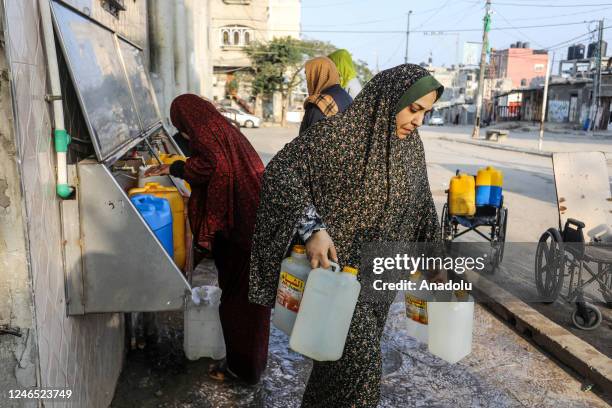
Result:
<point x="113" y="260"/>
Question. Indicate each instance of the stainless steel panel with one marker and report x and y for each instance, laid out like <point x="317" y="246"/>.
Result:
<point x="125" y="267"/>
<point x="99" y="79"/>
<point x="71" y="232"/>
<point x="583" y="192"/>
<point x="142" y="89"/>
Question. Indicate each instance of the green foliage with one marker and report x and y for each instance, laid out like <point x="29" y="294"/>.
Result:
<point x="364" y="73"/>
<point x="274" y="63"/>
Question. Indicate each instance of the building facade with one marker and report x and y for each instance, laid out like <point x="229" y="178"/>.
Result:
<point x="234" y="25"/>
<point x="521" y="64"/>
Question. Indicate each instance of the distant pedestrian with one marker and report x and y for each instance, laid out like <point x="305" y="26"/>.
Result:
<point x="325" y="95"/>
<point x="224" y="172"/>
<point x="361" y="177"/>
<point x="348" y="74"/>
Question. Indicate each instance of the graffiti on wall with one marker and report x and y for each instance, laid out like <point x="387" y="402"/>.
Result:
<point x="558" y="111"/>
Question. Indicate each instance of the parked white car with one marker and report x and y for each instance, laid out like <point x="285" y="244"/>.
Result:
<point x="436" y="121"/>
<point x="244" y="119"/>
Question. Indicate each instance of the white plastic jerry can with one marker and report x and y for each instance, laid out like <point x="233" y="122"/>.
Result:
<point x="325" y="314"/>
<point x="203" y="333"/>
<point x="450" y="329"/>
<point x="291" y="283"/>
<point x="416" y="309"/>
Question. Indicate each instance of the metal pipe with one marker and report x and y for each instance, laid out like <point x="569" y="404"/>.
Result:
<point x="191" y="25"/>
<point x="60" y="136"/>
<point x="161" y="14"/>
<point x="180" y="47"/>
<point x="544" y="102"/>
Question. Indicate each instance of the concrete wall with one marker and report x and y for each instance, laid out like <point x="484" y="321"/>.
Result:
<point x="559" y="103"/>
<point x="131" y="23"/>
<point x="81" y="353"/>
<point x="180" y="50"/>
<point x="284" y="18"/>
<point x="262" y="19"/>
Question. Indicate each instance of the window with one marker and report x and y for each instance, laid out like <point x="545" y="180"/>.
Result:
<point x="113" y="6"/>
<point x="538" y="67"/>
<point x="236" y="36"/>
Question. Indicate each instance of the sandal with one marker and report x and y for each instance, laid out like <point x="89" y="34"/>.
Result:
<point x="220" y="372"/>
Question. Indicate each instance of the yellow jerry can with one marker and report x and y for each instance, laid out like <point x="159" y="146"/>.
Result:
<point x="462" y="195"/>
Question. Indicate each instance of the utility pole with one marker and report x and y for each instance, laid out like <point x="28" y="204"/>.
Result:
<point x="597" y="79"/>
<point x="544" y="101"/>
<point x="407" y="37"/>
<point x="483" y="57"/>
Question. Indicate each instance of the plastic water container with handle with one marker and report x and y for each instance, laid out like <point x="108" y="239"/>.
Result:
<point x="450" y="328"/>
<point x="416" y="309"/>
<point x="178" y="215"/>
<point x="203" y="333"/>
<point x="462" y="195"/>
<point x="291" y="283"/>
<point x="158" y="215"/>
<point x="325" y="314"/>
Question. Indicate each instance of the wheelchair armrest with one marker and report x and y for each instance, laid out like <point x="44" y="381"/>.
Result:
<point x="575" y="222"/>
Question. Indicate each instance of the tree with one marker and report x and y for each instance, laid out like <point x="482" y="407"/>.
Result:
<point x="364" y="74"/>
<point x="276" y="65"/>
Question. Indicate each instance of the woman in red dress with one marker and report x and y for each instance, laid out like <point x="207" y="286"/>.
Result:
<point x="224" y="172"/>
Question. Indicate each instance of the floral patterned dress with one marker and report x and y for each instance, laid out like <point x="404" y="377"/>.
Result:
<point x="367" y="185"/>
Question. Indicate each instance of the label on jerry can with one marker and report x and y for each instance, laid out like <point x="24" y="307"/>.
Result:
<point x="290" y="291"/>
<point x="416" y="309"/>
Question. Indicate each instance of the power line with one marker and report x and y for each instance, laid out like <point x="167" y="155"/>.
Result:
<point x="436" y="12"/>
<point x="354" y="23"/>
<point x="562" y="15"/>
<point x="329" y="5"/>
<point x="514" y="28"/>
<point x="420" y="31"/>
<point x="553" y="5"/>
<point x="415" y="31"/>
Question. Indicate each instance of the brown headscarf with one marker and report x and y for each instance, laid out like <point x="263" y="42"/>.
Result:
<point x="321" y="73"/>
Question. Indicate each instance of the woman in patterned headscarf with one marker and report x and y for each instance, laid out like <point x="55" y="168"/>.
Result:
<point x="224" y="172"/>
<point x="363" y="174"/>
<point x="325" y="95"/>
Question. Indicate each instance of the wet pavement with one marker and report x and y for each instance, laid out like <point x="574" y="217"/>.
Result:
<point x="503" y="370"/>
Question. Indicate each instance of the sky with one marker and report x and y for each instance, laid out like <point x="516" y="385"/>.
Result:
<point x="357" y="26"/>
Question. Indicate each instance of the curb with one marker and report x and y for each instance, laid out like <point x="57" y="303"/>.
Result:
<point x="496" y="146"/>
<point x="568" y="348"/>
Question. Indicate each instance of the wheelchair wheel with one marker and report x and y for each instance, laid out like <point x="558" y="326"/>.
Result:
<point x="499" y="242"/>
<point x="446" y="229"/>
<point x="586" y="316"/>
<point x="549" y="265"/>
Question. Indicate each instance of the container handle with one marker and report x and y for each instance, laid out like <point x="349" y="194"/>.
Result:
<point x="334" y="267"/>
